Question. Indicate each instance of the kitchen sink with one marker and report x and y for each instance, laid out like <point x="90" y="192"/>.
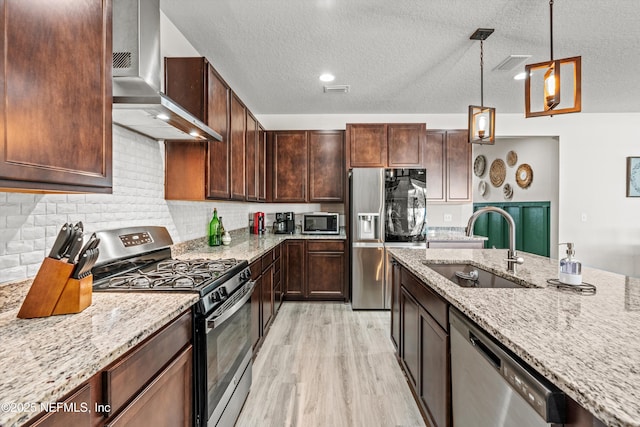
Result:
<point x="470" y="276"/>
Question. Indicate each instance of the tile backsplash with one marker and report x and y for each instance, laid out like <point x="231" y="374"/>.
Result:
<point x="29" y="222"/>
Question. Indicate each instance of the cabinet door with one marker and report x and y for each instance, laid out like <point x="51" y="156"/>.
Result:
<point x="434" y="370"/>
<point x="367" y="145"/>
<point x="326" y="166"/>
<point x="435" y="161"/>
<point x="218" y="171"/>
<point x="267" y="298"/>
<point x="290" y="154"/>
<point x="256" y="306"/>
<point x="184" y="170"/>
<point x="458" y="166"/>
<point x="55" y="109"/>
<point x="71" y="418"/>
<point x="262" y="164"/>
<point x="409" y="336"/>
<point x="237" y="139"/>
<point x="405" y="144"/>
<point x="184" y="82"/>
<point x="325" y="275"/>
<point x="294" y="267"/>
<point x="251" y="158"/>
<point x="166" y="401"/>
<point x="395" y="303"/>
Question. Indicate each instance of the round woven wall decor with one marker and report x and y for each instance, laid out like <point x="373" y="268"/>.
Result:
<point x="498" y="172"/>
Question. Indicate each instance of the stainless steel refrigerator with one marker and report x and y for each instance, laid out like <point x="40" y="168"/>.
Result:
<point x="388" y="208"/>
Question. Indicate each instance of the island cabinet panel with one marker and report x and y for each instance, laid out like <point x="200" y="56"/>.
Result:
<point x="238" y="126"/>
<point x="396" y="270"/>
<point x="448" y="164"/>
<point x="424" y="347"/>
<point x="251" y="158"/>
<point x="56" y="96"/>
<point x="405" y="144"/>
<point x="367" y="145"/>
<point x="198" y="170"/>
<point x="290" y="166"/>
<point x="326" y="166"/>
<point x="295" y="269"/>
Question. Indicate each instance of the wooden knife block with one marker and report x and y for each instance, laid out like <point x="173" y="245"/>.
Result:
<point x="54" y="291"/>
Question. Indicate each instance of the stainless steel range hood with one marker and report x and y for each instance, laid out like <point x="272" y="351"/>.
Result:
<point x="138" y="103"/>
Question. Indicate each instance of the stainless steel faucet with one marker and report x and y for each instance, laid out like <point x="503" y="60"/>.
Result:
<point x="512" y="256"/>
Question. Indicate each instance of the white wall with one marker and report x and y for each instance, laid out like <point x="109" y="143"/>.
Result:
<point x="591" y="180"/>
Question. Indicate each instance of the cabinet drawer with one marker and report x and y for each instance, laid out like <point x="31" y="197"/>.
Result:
<point x="432" y="303"/>
<point x="276" y="252"/>
<point x="70" y="418"/>
<point x="129" y="374"/>
<point x="325" y="245"/>
<point x="267" y="260"/>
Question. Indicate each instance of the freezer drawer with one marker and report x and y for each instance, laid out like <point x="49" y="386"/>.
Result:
<point x="367" y="277"/>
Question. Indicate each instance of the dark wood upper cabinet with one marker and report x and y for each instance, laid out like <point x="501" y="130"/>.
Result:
<point x="263" y="170"/>
<point x="238" y="148"/>
<point x="382" y="145"/>
<point x="198" y="170"/>
<point x="448" y="163"/>
<point x="405" y="144"/>
<point x="251" y="159"/>
<point x="367" y="145"/>
<point x="56" y="96"/>
<point x="290" y="162"/>
<point x="326" y="166"/>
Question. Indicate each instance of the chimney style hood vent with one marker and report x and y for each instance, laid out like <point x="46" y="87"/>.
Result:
<point x="138" y="103"/>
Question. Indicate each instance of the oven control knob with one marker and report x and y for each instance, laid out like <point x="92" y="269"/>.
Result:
<point x="215" y="297"/>
<point x="245" y="275"/>
<point x="222" y="292"/>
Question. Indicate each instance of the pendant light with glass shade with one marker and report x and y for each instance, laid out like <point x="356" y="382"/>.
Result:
<point x="550" y="83"/>
<point x="482" y="120"/>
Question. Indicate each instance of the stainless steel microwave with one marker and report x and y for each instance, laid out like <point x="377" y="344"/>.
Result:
<point x="321" y="223"/>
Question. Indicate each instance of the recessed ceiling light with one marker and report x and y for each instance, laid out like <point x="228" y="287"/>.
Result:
<point x="520" y="76"/>
<point x="327" y="77"/>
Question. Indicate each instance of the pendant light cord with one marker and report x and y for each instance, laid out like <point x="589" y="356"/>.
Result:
<point x="482" y="73"/>
<point x="551" y="27"/>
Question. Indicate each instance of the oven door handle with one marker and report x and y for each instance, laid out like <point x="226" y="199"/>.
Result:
<point x="213" y="322"/>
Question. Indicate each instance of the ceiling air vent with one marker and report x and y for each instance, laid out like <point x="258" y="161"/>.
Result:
<point x="511" y="62"/>
<point x="337" y="89"/>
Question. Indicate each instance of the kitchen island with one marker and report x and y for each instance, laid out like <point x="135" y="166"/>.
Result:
<point x="586" y="345"/>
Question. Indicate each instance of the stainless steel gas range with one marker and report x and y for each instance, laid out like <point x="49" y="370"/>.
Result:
<point x="138" y="259"/>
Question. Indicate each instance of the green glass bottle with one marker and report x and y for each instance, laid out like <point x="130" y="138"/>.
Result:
<point x="214" y="229"/>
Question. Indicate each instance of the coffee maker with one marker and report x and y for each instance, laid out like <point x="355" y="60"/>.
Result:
<point x="256" y="223"/>
<point x="285" y="223"/>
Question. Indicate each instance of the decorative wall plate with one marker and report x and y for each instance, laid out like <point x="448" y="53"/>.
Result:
<point x="524" y="175"/>
<point x="512" y="158"/>
<point x="482" y="187"/>
<point x="480" y="165"/>
<point x="497" y="172"/>
<point x="507" y="191"/>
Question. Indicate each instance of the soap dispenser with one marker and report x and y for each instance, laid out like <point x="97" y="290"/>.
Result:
<point x="570" y="269"/>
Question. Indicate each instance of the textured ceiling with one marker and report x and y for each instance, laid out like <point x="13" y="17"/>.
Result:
<point x="409" y="56"/>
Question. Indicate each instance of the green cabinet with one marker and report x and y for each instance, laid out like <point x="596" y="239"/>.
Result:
<point x="532" y="226"/>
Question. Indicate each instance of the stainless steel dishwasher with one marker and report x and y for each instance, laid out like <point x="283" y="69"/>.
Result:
<point x="490" y="387"/>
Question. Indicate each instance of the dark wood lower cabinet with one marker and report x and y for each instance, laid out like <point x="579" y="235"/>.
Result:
<point x="395" y="303"/>
<point x="267" y="294"/>
<point x="435" y="392"/>
<point x="152" y="384"/>
<point x="410" y="345"/>
<point x="315" y="270"/>
<point x="166" y="402"/>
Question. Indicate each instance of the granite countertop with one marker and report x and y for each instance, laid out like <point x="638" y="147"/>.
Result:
<point x="243" y="245"/>
<point x="587" y="346"/>
<point x="42" y="360"/>
<point x="445" y="236"/>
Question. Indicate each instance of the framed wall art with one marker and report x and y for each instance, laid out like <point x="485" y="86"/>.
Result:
<point x="633" y="176"/>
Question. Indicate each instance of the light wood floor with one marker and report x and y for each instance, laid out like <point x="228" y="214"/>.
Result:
<point x="323" y="364"/>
